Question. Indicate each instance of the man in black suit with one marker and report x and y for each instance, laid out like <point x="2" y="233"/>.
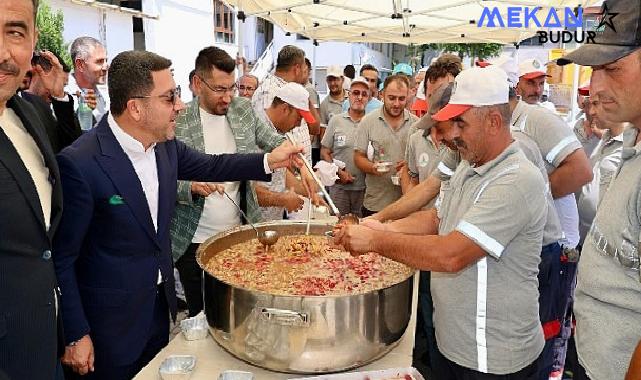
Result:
<point x="54" y="106"/>
<point x="30" y="209"/>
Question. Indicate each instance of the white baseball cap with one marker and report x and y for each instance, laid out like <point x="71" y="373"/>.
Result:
<point x="532" y="68"/>
<point x="507" y="64"/>
<point x="296" y="96"/>
<point x="475" y="87"/>
<point x="334" y="71"/>
<point x="359" y="79"/>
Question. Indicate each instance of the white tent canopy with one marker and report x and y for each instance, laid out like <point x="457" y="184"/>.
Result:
<point x="398" y="21"/>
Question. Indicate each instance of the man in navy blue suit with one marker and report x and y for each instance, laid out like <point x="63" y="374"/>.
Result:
<point x="112" y="251"/>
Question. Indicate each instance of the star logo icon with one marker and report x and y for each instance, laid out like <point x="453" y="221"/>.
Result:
<point x="607" y="18"/>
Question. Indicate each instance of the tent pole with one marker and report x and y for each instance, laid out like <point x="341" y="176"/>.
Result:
<point x="314" y="63"/>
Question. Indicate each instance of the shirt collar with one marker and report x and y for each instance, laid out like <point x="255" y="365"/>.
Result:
<point x="483" y="169"/>
<point x="518" y="111"/>
<point x="630" y="150"/>
<point x="126" y="141"/>
<point x="381" y="115"/>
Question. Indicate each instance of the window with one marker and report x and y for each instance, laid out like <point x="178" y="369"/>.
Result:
<point x="223" y="22"/>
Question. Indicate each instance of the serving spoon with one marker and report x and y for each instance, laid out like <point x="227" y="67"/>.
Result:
<point x="267" y="238"/>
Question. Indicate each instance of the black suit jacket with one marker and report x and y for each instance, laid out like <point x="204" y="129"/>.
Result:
<point x="63" y="129"/>
<point x="28" y="325"/>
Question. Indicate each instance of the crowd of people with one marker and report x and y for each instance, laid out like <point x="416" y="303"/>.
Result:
<point x="522" y="226"/>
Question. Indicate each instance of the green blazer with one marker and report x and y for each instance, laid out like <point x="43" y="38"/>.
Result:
<point x="251" y="134"/>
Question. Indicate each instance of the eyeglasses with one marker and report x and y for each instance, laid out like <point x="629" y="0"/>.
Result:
<point x="242" y="87"/>
<point x="358" y="93"/>
<point x="220" y="90"/>
<point x="172" y="96"/>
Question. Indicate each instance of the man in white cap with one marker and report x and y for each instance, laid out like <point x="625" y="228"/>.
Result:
<point x="284" y="192"/>
<point x="608" y="292"/>
<point x="482" y="242"/>
<point x="338" y="143"/>
<point x="333" y="103"/>
<point x="532" y="77"/>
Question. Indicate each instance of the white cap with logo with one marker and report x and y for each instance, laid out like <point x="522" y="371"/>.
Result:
<point x="296" y="96"/>
<point x="361" y="80"/>
<point x="475" y="87"/>
<point x="334" y="71"/>
<point x="532" y="68"/>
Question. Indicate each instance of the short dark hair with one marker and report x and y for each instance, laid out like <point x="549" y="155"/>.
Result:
<point x="445" y="64"/>
<point x="192" y="73"/>
<point x="400" y="78"/>
<point x="367" y="66"/>
<point x="308" y="63"/>
<point x="349" y="71"/>
<point x="289" y="56"/>
<point x="211" y="57"/>
<point x="277" y="101"/>
<point x="130" y="74"/>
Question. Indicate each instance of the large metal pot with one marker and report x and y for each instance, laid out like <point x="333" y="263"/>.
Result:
<point x="301" y="334"/>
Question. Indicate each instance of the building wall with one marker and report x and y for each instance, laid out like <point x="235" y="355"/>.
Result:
<point x="183" y="28"/>
<point x="83" y="20"/>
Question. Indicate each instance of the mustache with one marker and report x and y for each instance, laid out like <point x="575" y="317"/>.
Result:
<point x="10" y="68"/>
<point x="459" y="143"/>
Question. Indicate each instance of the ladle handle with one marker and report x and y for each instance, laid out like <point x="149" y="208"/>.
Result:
<point x="309" y="167"/>
<point x="241" y="212"/>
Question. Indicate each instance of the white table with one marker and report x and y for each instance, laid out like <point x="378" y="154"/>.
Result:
<point x="211" y="359"/>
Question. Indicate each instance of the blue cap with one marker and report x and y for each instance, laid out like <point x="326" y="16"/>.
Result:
<point x="403" y="68"/>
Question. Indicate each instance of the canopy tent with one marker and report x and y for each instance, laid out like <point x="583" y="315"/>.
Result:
<point x="399" y="21"/>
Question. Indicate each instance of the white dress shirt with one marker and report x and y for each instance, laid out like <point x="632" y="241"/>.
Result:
<point x="144" y="163"/>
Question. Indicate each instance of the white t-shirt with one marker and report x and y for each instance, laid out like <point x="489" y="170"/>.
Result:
<point x="219" y="214"/>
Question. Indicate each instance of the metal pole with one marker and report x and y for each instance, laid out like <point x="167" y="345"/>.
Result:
<point x="314" y="63"/>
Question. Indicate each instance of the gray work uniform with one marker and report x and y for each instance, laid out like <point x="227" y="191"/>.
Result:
<point x="422" y="155"/>
<point x="277" y="184"/>
<point x="605" y="160"/>
<point x="388" y="145"/>
<point x="328" y="108"/>
<point x="339" y="138"/>
<point x="608" y="291"/>
<point x="556" y="141"/>
<point x="486" y="315"/>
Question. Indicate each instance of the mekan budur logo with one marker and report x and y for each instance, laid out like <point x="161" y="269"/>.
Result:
<point x="567" y="17"/>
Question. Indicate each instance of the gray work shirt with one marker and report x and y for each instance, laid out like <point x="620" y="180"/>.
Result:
<point x="556" y="141"/>
<point x="608" y="292"/>
<point x="422" y="155"/>
<point x="328" y="108"/>
<point x="388" y="145"/>
<point x="552" y="231"/>
<point x="605" y="160"/>
<point x="487" y="315"/>
<point x="339" y="138"/>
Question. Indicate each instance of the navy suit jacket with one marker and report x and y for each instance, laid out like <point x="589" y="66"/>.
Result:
<point x="107" y="253"/>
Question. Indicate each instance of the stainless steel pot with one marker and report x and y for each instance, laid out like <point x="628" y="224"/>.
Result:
<point x="301" y="334"/>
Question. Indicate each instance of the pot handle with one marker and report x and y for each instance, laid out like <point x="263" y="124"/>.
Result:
<point x="285" y="317"/>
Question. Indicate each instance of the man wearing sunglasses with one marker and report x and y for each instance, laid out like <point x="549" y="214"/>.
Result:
<point x="338" y="142"/>
<point x="112" y="252"/>
<point x="370" y="73"/>
<point x="216" y="121"/>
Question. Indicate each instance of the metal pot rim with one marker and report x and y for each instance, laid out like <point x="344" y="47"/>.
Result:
<point x="203" y="246"/>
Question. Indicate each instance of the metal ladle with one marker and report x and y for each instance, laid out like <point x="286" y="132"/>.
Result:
<point x="267" y="238"/>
